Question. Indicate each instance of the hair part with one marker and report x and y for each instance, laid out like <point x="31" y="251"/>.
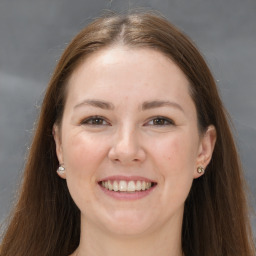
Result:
<point x="46" y="221"/>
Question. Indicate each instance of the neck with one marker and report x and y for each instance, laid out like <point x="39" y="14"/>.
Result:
<point x="165" y="242"/>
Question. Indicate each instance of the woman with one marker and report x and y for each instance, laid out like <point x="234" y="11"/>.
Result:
<point x="146" y="163"/>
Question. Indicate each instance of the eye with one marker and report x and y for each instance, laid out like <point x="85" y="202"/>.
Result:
<point x="160" y="121"/>
<point x="95" y="121"/>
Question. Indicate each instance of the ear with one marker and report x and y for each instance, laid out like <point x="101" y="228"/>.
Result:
<point x="206" y="148"/>
<point x="59" y="152"/>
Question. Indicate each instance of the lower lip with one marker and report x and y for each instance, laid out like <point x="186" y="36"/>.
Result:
<point x="127" y="195"/>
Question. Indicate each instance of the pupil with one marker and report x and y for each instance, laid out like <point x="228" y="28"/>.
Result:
<point x="159" y="121"/>
<point x="97" y="121"/>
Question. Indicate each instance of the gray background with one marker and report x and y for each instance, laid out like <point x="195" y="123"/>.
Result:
<point x="34" y="33"/>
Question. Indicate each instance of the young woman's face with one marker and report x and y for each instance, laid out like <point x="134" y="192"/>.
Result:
<point x="129" y="141"/>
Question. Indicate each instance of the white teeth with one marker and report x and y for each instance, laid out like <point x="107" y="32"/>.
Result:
<point x="138" y="185"/>
<point x="122" y="185"/>
<point x="143" y="185"/>
<point x="115" y="186"/>
<point x="126" y="186"/>
<point x="131" y="186"/>
<point x="110" y="186"/>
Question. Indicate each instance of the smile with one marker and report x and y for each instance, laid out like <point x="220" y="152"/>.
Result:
<point x="127" y="186"/>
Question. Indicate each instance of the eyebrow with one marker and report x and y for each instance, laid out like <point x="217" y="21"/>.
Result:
<point x="159" y="103"/>
<point x="96" y="103"/>
<point x="145" y="105"/>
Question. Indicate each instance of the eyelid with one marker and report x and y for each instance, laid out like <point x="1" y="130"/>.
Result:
<point x="170" y="121"/>
<point x="85" y="121"/>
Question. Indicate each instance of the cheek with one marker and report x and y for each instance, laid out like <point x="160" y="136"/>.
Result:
<point x="176" y="152"/>
<point x="175" y="159"/>
<point x="81" y="151"/>
<point x="82" y="158"/>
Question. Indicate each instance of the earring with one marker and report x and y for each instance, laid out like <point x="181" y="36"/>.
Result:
<point x="200" y="170"/>
<point x="61" y="169"/>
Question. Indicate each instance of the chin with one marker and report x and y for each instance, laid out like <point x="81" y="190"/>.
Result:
<point x="129" y="224"/>
<point x="126" y="229"/>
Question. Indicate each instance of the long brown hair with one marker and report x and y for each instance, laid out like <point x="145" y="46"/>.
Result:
<point x="46" y="221"/>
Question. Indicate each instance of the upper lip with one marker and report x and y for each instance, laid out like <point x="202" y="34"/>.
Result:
<point x="126" y="178"/>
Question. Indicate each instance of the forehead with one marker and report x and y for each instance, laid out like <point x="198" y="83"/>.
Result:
<point x="125" y="73"/>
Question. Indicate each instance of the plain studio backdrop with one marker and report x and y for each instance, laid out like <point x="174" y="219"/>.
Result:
<point x="34" y="33"/>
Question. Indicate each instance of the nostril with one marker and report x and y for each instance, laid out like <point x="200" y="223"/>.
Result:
<point x="126" y="154"/>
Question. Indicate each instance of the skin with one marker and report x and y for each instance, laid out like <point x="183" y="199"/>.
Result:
<point x="129" y="140"/>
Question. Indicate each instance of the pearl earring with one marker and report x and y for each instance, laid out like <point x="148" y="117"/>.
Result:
<point x="200" y="170"/>
<point x="61" y="169"/>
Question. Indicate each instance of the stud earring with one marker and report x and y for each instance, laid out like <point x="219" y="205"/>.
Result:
<point x="200" y="170"/>
<point x="61" y="169"/>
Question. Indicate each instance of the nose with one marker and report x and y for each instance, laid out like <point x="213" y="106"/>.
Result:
<point x="126" y="148"/>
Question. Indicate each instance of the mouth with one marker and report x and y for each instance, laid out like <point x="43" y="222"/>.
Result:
<point x="123" y="186"/>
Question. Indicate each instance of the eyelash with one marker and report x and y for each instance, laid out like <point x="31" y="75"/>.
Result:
<point x="90" y="120"/>
<point x="164" y="121"/>
<point x="94" y="121"/>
